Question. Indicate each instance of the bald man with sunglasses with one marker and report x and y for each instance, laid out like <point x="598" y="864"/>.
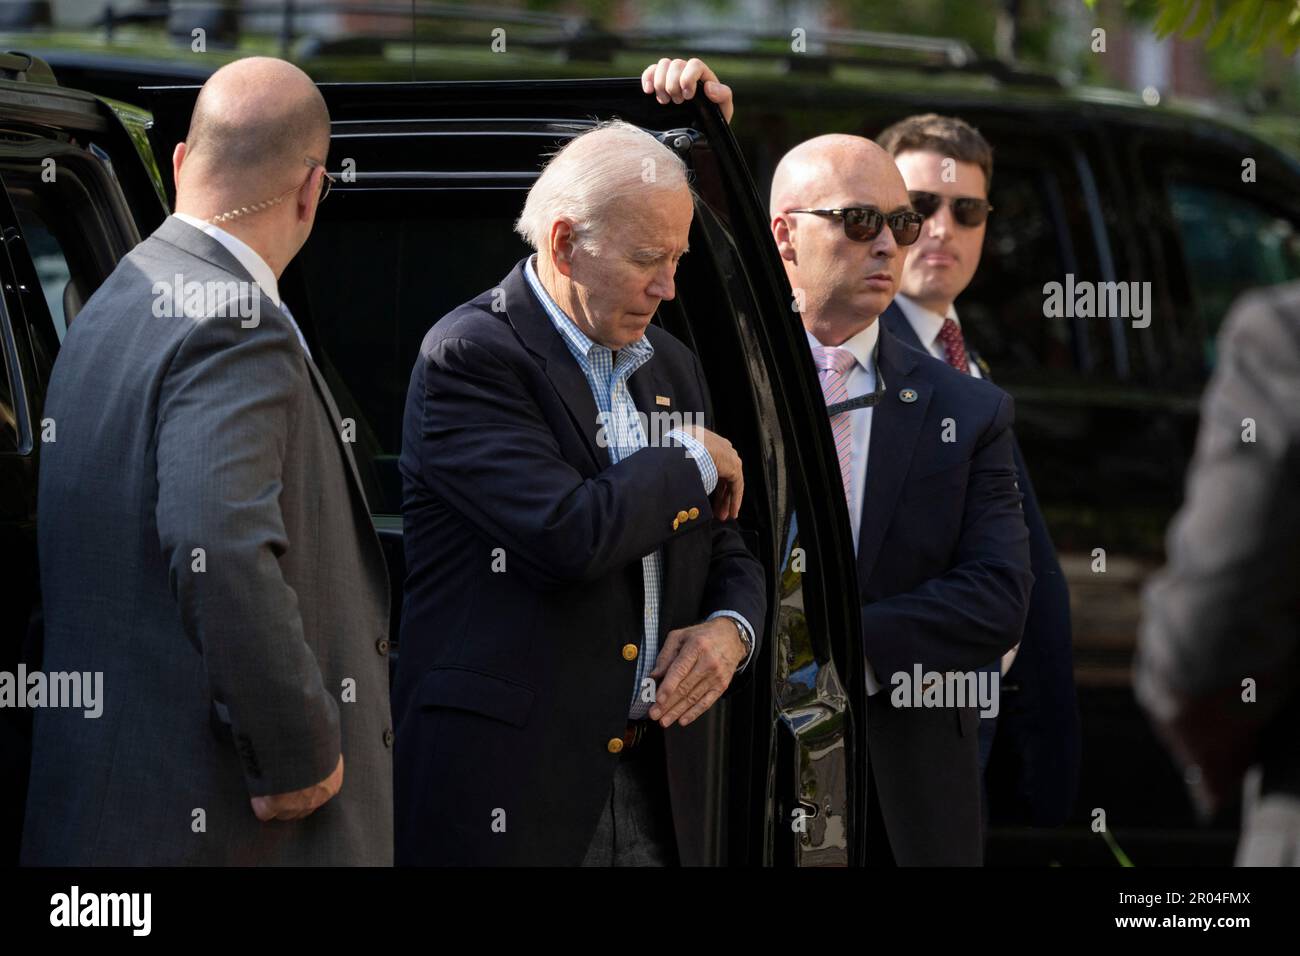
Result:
<point x="925" y="457"/>
<point x="926" y="462"/>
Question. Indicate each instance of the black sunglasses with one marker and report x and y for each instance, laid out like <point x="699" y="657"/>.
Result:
<point x="863" y="223"/>
<point x="966" y="210"/>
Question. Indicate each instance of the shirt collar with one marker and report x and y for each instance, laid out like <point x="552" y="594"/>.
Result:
<point x="862" y="345"/>
<point x="242" y="251"/>
<point x="578" y="342"/>
<point x="925" y="324"/>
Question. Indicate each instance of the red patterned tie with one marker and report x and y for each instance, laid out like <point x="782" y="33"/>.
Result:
<point x="954" y="347"/>
<point x="833" y="365"/>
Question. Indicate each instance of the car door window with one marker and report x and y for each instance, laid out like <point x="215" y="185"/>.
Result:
<point x="51" y="264"/>
<point x="68" y="215"/>
<point x="1231" y="243"/>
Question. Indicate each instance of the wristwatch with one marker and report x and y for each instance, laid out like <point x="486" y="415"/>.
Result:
<point x="744" y="639"/>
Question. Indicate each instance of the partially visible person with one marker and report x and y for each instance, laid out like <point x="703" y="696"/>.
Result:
<point x="675" y="81"/>
<point x="204" y="540"/>
<point x="1032" y="765"/>
<point x="1218" y="659"/>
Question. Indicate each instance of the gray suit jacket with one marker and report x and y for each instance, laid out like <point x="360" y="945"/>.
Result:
<point x="227" y="672"/>
<point x="1218" y="663"/>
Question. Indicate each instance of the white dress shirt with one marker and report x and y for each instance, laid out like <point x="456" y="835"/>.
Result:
<point x="250" y="260"/>
<point x="861" y="381"/>
<point x="926" y="325"/>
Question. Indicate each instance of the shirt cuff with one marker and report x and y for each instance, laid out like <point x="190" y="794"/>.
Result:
<point x="703" y="460"/>
<point x="737" y="616"/>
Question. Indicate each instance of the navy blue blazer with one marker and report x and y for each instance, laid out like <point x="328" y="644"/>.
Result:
<point x="1033" y="773"/>
<point x="511" y="683"/>
<point x="944" y="580"/>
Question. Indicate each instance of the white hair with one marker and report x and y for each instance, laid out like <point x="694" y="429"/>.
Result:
<point x="593" y="171"/>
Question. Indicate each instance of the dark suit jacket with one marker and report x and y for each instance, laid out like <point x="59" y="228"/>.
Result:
<point x="943" y="572"/>
<point x="511" y="684"/>
<point x="223" y="679"/>
<point x="1033" y="774"/>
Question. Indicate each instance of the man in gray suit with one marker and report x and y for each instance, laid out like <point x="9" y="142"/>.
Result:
<point x="204" y="539"/>
<point x="1218" y="663"/>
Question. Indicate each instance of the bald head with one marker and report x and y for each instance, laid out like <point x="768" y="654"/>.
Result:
<point x="841" y="283"/>
<point x="256" y="120"/>
<point x="817" y="171"/>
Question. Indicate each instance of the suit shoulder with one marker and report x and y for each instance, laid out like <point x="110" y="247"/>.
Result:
<point x="473" y="321"/>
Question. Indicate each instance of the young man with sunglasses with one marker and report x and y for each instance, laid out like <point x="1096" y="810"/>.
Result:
<point x="948" y="168"/>
<point x="926" y="461"/>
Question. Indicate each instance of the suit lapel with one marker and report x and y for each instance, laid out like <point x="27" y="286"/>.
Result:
<point x="645" y="383"/>
<point x="895" y="321"/>
<point x="539" y="335"/>
<point x="895" y="427"/>
<point x="322" y="389"/>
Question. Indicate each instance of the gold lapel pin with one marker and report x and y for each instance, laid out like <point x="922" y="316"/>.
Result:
<point x="663" y="400"/>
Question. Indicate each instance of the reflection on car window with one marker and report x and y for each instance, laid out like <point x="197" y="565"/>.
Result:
<point x="8" y="414"/>
<point x="1231" y="244"/>
<point x="50" y="262"/>
<point x="1004" y="304"/>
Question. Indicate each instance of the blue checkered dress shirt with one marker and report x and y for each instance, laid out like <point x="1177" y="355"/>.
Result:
<point x="607" y="376"/>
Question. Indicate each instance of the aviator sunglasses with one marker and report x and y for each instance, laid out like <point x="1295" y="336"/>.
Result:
<point x="966" y="210"/>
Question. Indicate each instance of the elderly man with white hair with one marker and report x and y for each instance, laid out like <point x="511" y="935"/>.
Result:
<point x="577" y="592"/>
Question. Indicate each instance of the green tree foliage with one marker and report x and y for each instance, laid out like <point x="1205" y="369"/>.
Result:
<point x="1253" y="25"/>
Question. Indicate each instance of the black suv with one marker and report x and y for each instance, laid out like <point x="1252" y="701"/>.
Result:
<point x="1090" y="184"/>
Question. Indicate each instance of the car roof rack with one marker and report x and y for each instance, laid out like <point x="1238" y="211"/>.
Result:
<point x="24" y="68"/>
<point x="294" y="13"/>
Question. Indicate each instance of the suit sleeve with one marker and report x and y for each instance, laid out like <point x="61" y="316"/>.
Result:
<point x="485" y="448"/>
<point x="226" y="407"/>
<point x="736" y="580"/>
<point x="975" y="612"/>
<point x="1224" y="609"/>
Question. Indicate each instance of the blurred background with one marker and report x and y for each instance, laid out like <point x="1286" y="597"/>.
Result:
<point x="1226" y="60"/>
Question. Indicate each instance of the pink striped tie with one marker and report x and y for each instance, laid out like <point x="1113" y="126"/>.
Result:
<point x="833" y="365"/>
